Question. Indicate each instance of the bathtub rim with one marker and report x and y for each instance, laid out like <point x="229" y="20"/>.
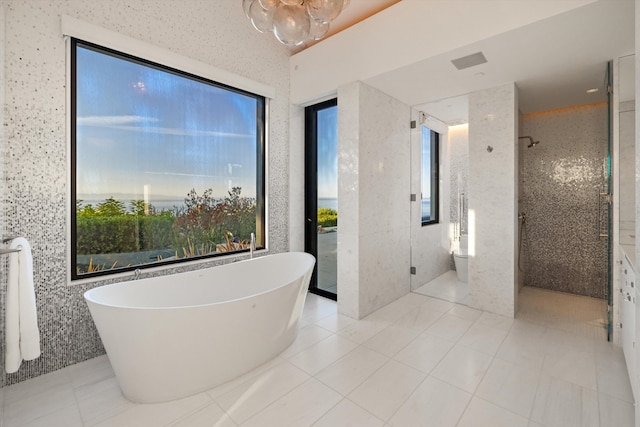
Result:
<point x="150" y="270"/>
<point x="88" y="299"/>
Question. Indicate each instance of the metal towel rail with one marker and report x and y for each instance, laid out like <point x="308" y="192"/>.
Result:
<point x="6" y="239"/>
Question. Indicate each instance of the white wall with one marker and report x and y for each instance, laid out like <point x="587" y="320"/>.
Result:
<point x="408" y="32"/>
<point x="637" y="165"/>
<point x="35" y="145"/>
<point x="373" y="190"/>
<point x="493" y="195"/>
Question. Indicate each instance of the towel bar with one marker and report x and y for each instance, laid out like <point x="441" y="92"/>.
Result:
<point x="8" y="251"/>
<point x="5" y="239"/>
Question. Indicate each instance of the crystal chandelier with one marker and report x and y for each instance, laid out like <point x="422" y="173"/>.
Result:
<point x="293" y="21"/>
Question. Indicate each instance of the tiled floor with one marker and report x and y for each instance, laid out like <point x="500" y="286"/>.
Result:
<point x="419" y="361"/>
<point x="571" y="313"/>
<point x="327" y="260"/>
<point x="446" y="287"/>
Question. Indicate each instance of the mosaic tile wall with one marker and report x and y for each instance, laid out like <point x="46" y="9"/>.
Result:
<point x="3" y="177"/>
<point x="562" y="177"/>
<point x="34" y="189"/>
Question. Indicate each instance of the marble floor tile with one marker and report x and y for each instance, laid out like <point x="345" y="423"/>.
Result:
<point x="307" y="336"/>
<point x="463" y="368"/>
<point x="257" y="393"/>
<point x="450" y="327"/>
<point x="615" y="412"/>
<point x="573" y="366"/>
<point x="611" y="372"/>
<point x="437" y="304"/>
<point x="419" y="318"/>
<point x="559" y="403"/>
<point x="211" y="415"/>
<point x="387" y="389"/>
<point x="38" y="405"/>
<point x="322" y="354"/>
<point x="420" y="361"/>
<point x="481" y="413"/>
<point x="348" y="414"/>
<point x="446" y="287"/>
<point x="100" y="401"/>
<point x="152" y="415"/>
<point x="301" y="407"/>
<point x="425" y="352"/>
<point x="485" y="339"/>
<point x="391" y="340"/>
<point x="495" y="321"/>
<point x="350" y="371"/>
<point x="465" y="312"/>
<point x="433" y="404"/>
<point x="510" y="386"/>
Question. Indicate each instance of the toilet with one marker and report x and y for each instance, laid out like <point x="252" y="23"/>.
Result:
<point x="460" y="258"/>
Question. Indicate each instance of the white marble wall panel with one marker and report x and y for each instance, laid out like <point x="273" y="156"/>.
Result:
<point x="373" y="189"/>
<point x="34" y="146"/>
<point x="627" y="168"/>
<point x="349" y="199"/>
<point x="493" y="126"/>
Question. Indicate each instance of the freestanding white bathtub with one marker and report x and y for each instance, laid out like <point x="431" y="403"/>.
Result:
<point x="172" y="336"/>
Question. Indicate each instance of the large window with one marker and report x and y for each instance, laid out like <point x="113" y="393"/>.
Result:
<point x="166" y="166"/>
<point x="429" y="178"/>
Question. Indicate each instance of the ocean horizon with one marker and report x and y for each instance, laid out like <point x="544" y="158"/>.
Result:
<point x="328" y="202"/>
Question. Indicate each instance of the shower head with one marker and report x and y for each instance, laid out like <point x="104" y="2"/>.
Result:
<point x="532" y="143"/>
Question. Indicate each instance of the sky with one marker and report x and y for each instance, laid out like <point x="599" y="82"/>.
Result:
<point x="426" y="163"/>
<point x="140" y="127"/>
<point x="328" y="153"/>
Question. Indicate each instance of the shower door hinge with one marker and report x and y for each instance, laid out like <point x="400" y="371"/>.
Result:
<point x="609" y="89"/>
<point x="413" y="270"/>
<point x="619" y="325"/>
<point x="413" y="124"/>
<point x="414" y="198"/>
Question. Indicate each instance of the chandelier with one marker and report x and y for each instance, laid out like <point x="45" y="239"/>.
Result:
<point x="293" y="21"/>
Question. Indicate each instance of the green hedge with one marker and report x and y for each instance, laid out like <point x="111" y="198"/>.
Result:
<point x="327" y="217"/>
<point x="123" y="233"/>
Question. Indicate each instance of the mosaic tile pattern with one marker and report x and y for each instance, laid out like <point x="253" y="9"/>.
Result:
<point x="562" y="177"/>
<point x="3" y="177"/>
<point x="34" y="188"/>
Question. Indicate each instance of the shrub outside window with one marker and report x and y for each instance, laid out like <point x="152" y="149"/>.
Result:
<point x="429" y="178"/>
<point x="166" y="166"/>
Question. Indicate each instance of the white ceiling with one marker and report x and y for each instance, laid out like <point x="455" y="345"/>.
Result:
<point x="356" y="11"/>
<point x="553" y="62"/>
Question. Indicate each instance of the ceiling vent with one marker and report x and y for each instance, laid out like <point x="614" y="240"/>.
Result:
<point x="469" y="61"/>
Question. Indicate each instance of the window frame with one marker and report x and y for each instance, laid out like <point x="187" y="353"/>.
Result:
<point x="261" y="154"/>
<point x="311" y="188"/>
<point x="435" y="176"/>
